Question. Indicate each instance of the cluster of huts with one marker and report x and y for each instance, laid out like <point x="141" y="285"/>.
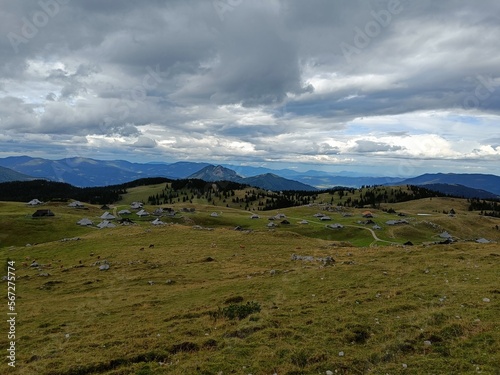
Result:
<point x="106" y="217"/>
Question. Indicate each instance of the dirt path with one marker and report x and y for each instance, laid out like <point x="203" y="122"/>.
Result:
<point x="376" y="239"/>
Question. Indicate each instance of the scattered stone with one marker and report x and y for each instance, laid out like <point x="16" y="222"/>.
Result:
<point x="104" y="267"/>
<point x="70" y="239"/>
<point x="327" y="261"/>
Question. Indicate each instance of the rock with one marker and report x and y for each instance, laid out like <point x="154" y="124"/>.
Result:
<point x="486" y="300"/>
<point x="427" y="343"/>
<point x="104" y="267"/>
<point x="272" y="272"/>
<point x="169" y="282"/>
<point x="341" y="354"/>
<point x="405" y="365"/>
<point x="328" y="372"/>
<point x="150" y="282"/>
<point x="34" y="264"/>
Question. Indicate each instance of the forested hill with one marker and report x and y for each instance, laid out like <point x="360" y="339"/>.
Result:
<point x="24" y="191"/>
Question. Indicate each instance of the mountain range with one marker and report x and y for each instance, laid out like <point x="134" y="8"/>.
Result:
<point x="85" y="172"/>
<point x="268" y="181"/>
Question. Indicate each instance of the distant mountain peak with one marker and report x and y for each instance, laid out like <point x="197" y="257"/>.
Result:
<point x="216" y="173"/>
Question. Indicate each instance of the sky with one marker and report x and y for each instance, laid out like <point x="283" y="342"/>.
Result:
<point x="387" y="87"/>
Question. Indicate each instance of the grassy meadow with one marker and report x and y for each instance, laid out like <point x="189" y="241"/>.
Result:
<point x="160" y="308"/>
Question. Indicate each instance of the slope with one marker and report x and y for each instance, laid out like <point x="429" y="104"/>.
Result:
<point x="7" y="175"/>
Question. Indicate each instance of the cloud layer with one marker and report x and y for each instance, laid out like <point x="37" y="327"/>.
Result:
<point x="395" y="85"/>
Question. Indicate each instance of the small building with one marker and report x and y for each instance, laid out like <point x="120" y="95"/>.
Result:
<point x="157" y="221"/>
<point x="482" y="240"/>
<point x="142" y="213"/>
<point x="105" y="224"/>
<point x="367" y="214"/>
<point x="136" y="205"/>
<point x="377" y="227"/>
<point x="43" y="213"/>
<point x="76" y="204"/>
<point x="319" y="215"/>
<point x="272" y="225"/>
<point x="107" y="216"/>
<point x="85" y="222"/>
<point x="104" y="207"/>
<point x="445" y="235"/>
<point x="335" y="226"/>
<point x="325" y="218"/>
<point x="255" y="216"/>
<point x="286" y="222"/>
<point x="34" y="202"/>
<point x="124" y="212"/>
<point x="158" y="211"/>
<point x="126" y="221"/>
<point x="214" y="214"/>
<point x="396" y="222"/>
<point x="303" y="222"/>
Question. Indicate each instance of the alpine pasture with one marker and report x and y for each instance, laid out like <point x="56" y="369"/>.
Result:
<point x="224" y="294"/>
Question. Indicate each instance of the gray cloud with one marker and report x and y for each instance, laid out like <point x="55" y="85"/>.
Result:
<point x="370" y="146"/>
<point x="262" y="72"/>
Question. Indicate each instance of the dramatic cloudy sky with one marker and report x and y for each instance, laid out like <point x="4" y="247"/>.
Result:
<point x="380" y="86"/>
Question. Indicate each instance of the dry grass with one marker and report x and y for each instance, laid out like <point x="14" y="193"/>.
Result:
<point x="377" y="305"/>
<point x="153" y="311"/>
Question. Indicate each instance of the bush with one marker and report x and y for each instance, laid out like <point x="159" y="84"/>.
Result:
<point x="234" y="311"/>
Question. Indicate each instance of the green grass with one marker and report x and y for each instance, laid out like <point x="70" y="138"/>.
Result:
<point x="377" y="305"/>
<point x="155" y="311"/>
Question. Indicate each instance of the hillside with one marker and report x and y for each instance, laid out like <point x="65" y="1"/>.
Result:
<point x="488" y="182"/>
<point x="85" y="172"/>
<point x="267" y="181"/>
<point x="462" y="191"/>
<point x="270" y="181"/>
<point x="178" y="299"/>
<point x="7" y="175"/>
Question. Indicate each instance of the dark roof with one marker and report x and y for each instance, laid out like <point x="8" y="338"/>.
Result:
<point x="42" y="213"/>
